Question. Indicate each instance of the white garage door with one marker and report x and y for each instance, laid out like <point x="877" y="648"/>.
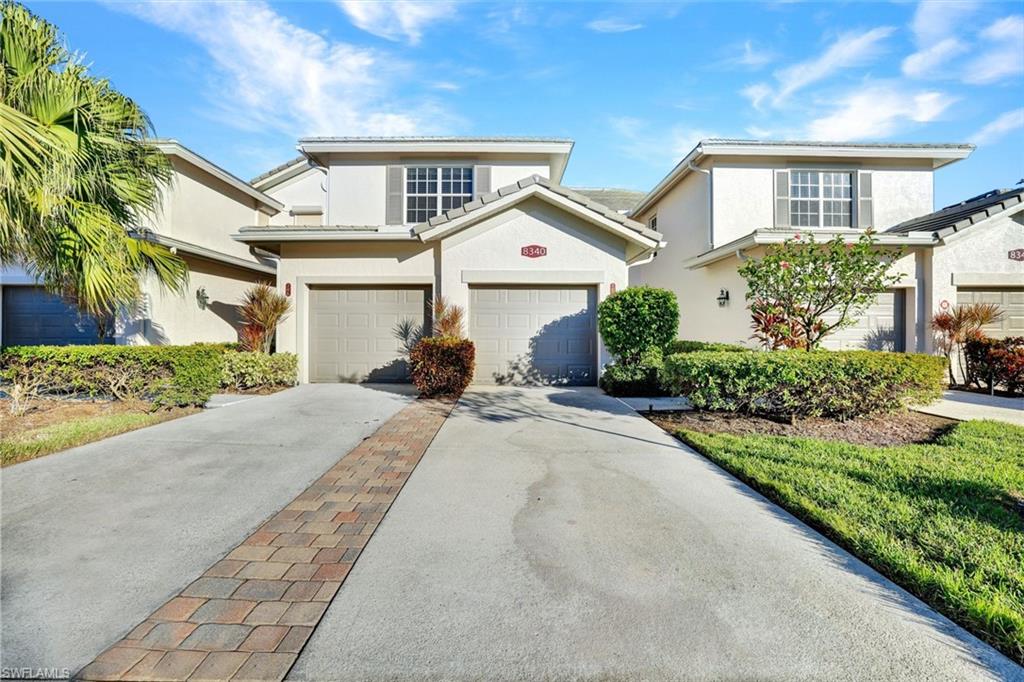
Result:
<point x="1010" y="300"/>
<point x="534" y="335"/>
<point x="881" y="327"/>
<point x="352" y="332"/>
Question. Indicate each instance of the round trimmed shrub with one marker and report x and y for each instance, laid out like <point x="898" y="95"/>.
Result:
<point x="636" y="319"/>
<point x="442" y="365"/>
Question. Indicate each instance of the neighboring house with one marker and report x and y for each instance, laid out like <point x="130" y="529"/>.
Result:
<point x="728" y="199"/>
<point x="376" y="227"/>
<point x="201" y="208"/>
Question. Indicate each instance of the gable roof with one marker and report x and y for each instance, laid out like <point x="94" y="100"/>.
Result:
<point x="621" y="200"/>
<point x="940" y="155"/>
<point x="172" y="147"/>
<point x="960" y="216"/>
<point x="299" y="160"/>
<point x="584" y="206"/>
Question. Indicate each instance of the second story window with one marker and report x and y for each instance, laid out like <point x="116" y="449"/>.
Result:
<point x="430" y="190"/>
<point x="820" y="199"/>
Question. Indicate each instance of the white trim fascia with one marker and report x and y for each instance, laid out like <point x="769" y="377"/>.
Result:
<point x="446" y="228"/>
<point x="175" y="148"/>
<point x="444" y="147"/>
<point x="311" y="209"/>
<point x="774" y="236"/>
<point x="987" y="279"/>
<point x="205" y="253"/>
<point x="294" y="170"/>
<point x="532" y="277"/>
<point x="295" y="235"/>
<point x="365" y="280"/>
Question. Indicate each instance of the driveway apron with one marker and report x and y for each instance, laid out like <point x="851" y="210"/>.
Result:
<point x="555" y="534"/>
<point x="97" y="537"/>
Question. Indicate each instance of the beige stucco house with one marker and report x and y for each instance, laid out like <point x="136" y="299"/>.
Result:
<point x="727" y="200"/>
<point x="376" y="227"/>
<point x="203" y="205"/>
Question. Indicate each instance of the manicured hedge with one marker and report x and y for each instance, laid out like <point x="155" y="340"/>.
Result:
<point x="166" y="375"/>
<point x="245" y="371"/>
<point x="639" y="378"/>
<point x="442" y="366"/>
<point x="637" y="319"/>
<point x="838" y="385"/>
<point x="996" y="361"/>
<point x="688" y="346"/>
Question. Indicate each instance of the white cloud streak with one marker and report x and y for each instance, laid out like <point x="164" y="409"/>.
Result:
<point x="877" y="112"/>
<point x="612" y="25"/>
<point x="927" y="62"/>
<point x="1002" y="55"/>
<point x="269" y="74"/>
<point x="1000" y="127"/>
<point x="397" y="19"/>
<point x="638" y="139"/>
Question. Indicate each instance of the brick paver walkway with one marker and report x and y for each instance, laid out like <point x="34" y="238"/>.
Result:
<point x="249" y="615"/>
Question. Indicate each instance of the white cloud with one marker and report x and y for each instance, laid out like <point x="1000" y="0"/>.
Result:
<point x="639" y="140"/>
<point x="757" y="93"/>
<point x="878" y="111"/>
<point x="925" y="63"/>
<point x="994" y="130"/>
<point x="850" y="49"/>
<point x="1003" y="55"/>
<point x="753" y="56"/>
<point x="269" y="74"/>
<point x="447" y="86"/>
<point x="935" y="20"/>
<point x="398" y="18"/>
<point x="612" y="25"/>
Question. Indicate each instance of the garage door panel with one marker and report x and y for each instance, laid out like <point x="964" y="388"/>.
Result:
<point x="32" y="316"/>
<point x="1010" y="301"/>
<point x="880" y="327"/>
<point x="534" y="335"/>
<point x="352" y="332"/>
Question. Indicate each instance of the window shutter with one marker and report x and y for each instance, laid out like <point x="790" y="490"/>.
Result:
<point x="481" y="180"/>
<point x="865" y="205"/>
<point x="393" y="212"/>
<point x="781" y="198"/>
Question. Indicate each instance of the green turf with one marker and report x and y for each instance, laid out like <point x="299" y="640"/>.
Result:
<point x="55" y="437"/>
<point x="943" y="520"/>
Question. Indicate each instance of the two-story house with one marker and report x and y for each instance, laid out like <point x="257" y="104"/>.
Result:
<point x="727" y="200"/>
<point x="377" y="227"/>
<point x="200" y="209"/>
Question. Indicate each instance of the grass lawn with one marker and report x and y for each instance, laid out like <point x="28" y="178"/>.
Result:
<point x="945" y="520"/>
<point x="64" y="426"/>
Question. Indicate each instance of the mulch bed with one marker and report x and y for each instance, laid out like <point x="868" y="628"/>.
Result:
<point x="45" y="412"/>
<point x="896" y="429"/>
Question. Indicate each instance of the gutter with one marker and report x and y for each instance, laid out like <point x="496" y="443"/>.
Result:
<point x="176" y="245"/>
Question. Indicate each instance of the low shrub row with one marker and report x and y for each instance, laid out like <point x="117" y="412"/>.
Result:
<point x="688" y="346"/>
<point x="442" y="365"/>
<point x="643" y="375"/>
<point x="165" y="375"/>
<point x="245" y="371"/>
<point x="996" y="363"/>
<point x="834" y="384"/>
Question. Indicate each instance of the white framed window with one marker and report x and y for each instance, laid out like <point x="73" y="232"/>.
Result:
<point x="430" y="190"/>
<point x="820" y="198"/>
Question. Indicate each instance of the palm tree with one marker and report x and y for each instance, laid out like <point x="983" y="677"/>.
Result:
<point x="76" y="174"/>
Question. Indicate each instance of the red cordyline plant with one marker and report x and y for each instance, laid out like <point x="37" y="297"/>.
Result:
<point x="772" y="329"/>
<point x="953" y="329"/>
<point x="262" y="310"/>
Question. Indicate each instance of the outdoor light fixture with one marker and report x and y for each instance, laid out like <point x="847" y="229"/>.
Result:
<point x="723" y="298"/>
<point x="201" y="298"/>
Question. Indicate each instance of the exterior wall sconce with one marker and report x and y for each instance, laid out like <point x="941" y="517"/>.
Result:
<point x="201" y="298"/>
<point x="723" y="298"/>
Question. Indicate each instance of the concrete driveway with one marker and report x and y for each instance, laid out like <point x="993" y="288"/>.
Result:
<point x="95" y="538"/>
<point x="554" y="534"/>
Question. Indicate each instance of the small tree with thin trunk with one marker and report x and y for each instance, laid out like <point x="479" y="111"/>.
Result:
<point x="806" y="280"/>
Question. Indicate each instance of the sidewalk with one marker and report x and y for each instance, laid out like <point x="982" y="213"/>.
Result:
<point x="964" y="406"/>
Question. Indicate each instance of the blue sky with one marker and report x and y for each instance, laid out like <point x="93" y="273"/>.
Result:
<point x="634" y="84"/>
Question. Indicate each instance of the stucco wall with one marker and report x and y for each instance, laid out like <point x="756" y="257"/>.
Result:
<point x="743" y="200"/>
<point x="573" y="247"/>
<point x="978" y="251"/>
<point x="201" y="209"/>
<point x="170" y="318"/>
<point x="305" y="189"/>
<point x="357" y="184"/>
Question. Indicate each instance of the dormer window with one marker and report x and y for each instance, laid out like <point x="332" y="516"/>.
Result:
<point x="820" y="198"/>
<point x="430" y="190"/>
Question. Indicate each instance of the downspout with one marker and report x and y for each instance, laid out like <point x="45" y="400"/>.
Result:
<point x="711" y="235"/>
